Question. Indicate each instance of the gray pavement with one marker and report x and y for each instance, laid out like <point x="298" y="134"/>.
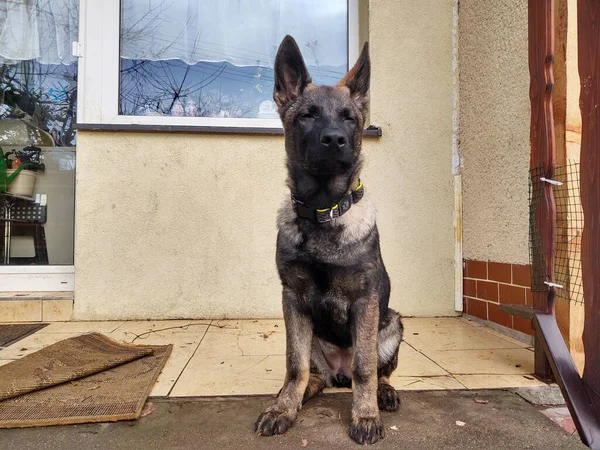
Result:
<point x="426" y="420"/>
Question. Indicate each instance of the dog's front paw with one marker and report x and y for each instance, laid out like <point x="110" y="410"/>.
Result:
<point x="273" y="421"/>
<point x="387" y="398"/>
<point x="366" y="430"/>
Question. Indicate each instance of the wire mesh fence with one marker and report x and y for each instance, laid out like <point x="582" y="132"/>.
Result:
<point x="569" y="227"/>
<point x="537" y="259"/>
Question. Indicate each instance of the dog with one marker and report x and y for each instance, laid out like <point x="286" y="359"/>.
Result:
<point x="339" y="329"/>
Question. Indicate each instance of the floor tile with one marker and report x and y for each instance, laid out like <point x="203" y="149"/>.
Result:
<point x="411" y="363"/>
<point x="263" y="326"/>
<point x="184" y="337"/>
<point x="160" y="338"/>
<point x="231" y="375"/>
<point x="433" y="322"/>
<point x="463" y="337"/>
<point x="185" y="343"/>
<point x="161" y="329"/>
<point x="36" y="295"/>
<point x="494" y="362"/>
<point x="223" y="325"/>
<point x="57" y="310"/>
<point x="80" y="327"/>
<point x="501" y="335"/>
<point x="229" y="342"/>
<point x="270" y="368"/>
<point x="498" y="381"/>
<point x="180" y="357"/>
<point x="248" y="325"/>
<point x="243" y="357"/>
<point x="20" y="311"/>
<point x="424" y="383"/>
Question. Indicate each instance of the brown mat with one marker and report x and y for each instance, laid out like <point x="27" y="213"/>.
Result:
<point x="66" y="360"/>
<point x="11" y="333"/>
<point x="117" y="391"/>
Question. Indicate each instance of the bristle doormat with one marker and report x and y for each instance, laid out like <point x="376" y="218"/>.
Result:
<point x="88" y="378"/>
<point x="14" y="332"/>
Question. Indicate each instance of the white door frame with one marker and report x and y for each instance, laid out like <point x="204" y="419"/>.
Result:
<point x="34" y="278"/>
<point x="37" y="278"/>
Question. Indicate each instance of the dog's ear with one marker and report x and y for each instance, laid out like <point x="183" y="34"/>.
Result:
<point x="358" y="78"/>
<point x="291" y="76"/>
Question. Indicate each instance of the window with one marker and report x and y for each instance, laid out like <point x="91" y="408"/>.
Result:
<point x="202" y="62"/>
<point x="38" y="74"/>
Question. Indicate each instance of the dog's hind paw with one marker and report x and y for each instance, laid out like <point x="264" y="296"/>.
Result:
<point x="366" y="430"/>
<point x="387" y="397"/>
<point x="272" y="422"/>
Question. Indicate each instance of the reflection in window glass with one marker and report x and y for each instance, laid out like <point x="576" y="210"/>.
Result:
<point x="38" y="74"/>
<point x="201" y="58"/>
<point x="38" y="94"/>
<point x="46" y="93"/>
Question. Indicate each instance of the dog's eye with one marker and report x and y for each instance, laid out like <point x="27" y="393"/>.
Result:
<point x="349" y="119"/>
<point x="307" y="116"/>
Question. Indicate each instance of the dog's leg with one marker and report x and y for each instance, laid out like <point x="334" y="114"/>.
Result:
<point x="366" y="426"/>
<point x="277" y="418"/>
<point x="388" y="340"/>
<point x="387" y="397"/>
<point x="316" y="383"/>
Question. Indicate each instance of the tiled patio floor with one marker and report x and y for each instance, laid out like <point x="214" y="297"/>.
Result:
<point x="242" y="357"/>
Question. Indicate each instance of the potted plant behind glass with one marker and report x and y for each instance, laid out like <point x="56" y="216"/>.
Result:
<point x="19" y="165"/>
<point x="18" y="171"/>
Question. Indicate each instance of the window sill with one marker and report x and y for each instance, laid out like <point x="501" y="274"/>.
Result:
<point x="371" y="131"/>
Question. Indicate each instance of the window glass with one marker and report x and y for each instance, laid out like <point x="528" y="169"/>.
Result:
<point x="204" y="58"/>
<point x="38" y="96"/>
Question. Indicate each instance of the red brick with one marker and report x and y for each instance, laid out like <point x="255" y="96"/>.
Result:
<point x="499" y="272"/>
<point x="521" y="275"/>
<point x="528" y="297"/>
<point x="487" y="290"/>
<point x="512" y="295"/>
<point x="522" y="325"/>
<point x="476" y="269"/>
<point x="561" y="417"/>
<point x="470" y="288"/>
<point x="497" y="316"/>
<point x="476" y="308"/>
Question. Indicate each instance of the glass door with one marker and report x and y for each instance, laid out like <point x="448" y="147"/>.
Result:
<point x="38" y="97"/>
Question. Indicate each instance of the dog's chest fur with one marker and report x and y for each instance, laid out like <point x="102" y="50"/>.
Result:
<point x="330" y="266"/>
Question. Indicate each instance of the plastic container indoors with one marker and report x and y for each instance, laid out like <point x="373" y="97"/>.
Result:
<point x="23" y="184"/>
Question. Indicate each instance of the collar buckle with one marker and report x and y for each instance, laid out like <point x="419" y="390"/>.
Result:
<point x="329" y="214"/>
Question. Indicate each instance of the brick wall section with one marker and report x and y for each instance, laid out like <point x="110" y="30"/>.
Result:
<point x="488" y="284"/>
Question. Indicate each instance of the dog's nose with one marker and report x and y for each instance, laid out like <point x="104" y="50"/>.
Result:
<point x="333" y="139"/>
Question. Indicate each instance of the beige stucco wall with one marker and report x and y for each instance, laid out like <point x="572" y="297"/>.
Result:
<point x="183" y="225"/>
<point x="494" y="129"/>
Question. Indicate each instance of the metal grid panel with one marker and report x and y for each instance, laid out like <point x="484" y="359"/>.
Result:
<point x="539" y="274"/>
<point x="569" y="228"/>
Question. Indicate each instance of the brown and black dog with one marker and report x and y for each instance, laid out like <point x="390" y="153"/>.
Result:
<point x="339" y="329"/>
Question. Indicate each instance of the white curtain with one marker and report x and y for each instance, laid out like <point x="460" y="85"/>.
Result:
<point x="41" y="30"/>
<point x="242" y="32"/>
